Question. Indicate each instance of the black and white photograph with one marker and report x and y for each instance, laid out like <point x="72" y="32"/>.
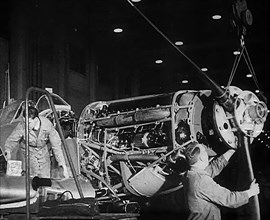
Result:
<point x="134" y="110"/>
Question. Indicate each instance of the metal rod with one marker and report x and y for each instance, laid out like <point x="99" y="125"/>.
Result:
<point x="222" y="96"/>
<point x="27" y="160"/>
<point x="254" y="199"/>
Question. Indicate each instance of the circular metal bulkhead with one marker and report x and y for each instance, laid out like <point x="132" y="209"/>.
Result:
<point x="224" y="125"/>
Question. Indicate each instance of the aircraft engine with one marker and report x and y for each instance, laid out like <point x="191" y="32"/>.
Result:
<point x="135" y="145"/>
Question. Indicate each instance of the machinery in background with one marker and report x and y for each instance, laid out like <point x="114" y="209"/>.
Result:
<point x="65" y="114"/>
<point x="135" y="146"/>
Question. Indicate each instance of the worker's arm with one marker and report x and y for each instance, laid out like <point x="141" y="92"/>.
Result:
<point x="13" y="140"/>
<point x="57" y="150"/>
<point x="217" y="165"/>
<point x="217" y="194"/>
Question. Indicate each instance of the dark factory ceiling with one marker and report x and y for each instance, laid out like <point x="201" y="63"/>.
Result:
<point x="150" y="27"/>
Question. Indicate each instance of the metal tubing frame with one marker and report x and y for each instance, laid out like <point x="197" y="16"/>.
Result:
<point x="27" y="159"/>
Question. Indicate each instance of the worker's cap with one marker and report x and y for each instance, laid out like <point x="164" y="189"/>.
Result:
<point x="192" y="152"/>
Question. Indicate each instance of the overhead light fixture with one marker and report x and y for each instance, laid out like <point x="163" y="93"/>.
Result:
<point x="236" y="52"/>
<point x="185" y="81"/>
<point x="159" y="61"/>
<point x="257" y="91"/>
<point x="249" y="75"/>
<point x="135" y="0"/>
<point x="216" y="17"/>
<point x="223" y="87"/>
<point x="118" y="30"/>
<point x="179" y="43"/>
<point x="204" y="69"/>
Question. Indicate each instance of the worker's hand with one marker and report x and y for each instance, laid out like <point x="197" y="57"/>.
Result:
<point x="254" y="189"/>
<point x="7" y="155"/>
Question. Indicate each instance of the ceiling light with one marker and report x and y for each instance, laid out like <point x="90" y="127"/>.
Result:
<point x="118" y="30"/>
<point x="179" y="43"/>
<point x="185" y="81"/>
<point x="216" y="17"/>
<point x="223" y="87"/>
<point x="204" y="69"/>
<point x="135" y="0"/>
<point x="158" y="61"/>
<point x="249" y="75"/>
<point x="257" y="91"/>
<point x="236" y="52"/>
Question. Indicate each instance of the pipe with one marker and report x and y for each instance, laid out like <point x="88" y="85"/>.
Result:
<point x="139" y="116"/>
<point x="38" y="182"/>
<point x="27" y="160"/>
<point x="63" y="139"/>
<point x="134" y="157"/>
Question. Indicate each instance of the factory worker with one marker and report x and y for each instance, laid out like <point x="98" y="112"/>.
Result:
<point x="204" y="196"/>
<point x="41" y="133"/>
